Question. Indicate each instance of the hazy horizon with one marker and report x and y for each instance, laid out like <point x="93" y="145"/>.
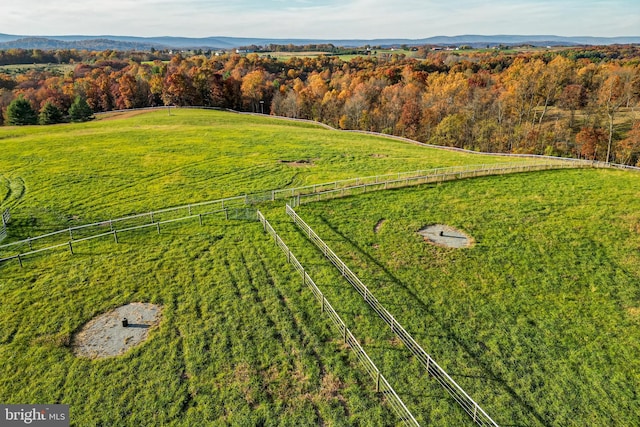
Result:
<point x="322" y="19"/>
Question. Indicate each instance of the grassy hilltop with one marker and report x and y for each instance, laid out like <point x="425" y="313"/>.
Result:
<point x="538" y="321"/>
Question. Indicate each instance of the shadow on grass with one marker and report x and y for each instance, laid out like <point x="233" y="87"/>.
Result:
<point x="425" y="306"/>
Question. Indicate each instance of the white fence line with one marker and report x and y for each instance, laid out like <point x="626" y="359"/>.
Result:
<point x="346" y="187"/>
<point x="224" y="204"/>
<point x="472" y="408"/>
<point x="377" y="134"/>
<point x="382" y="385"/>
<point x="393" y="180"/>
<point x="114" y="233"/>
<point x="325" y="190"/>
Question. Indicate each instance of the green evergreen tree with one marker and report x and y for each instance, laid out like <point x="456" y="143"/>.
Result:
<point x="20" y="113"/>
<point x="50" y="114"/>
<point x="80" y="110"/>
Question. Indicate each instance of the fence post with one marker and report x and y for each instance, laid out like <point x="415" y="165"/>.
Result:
<point x="71" y="248"/>
<point x="189" y="210"/>
<point x="158" y="227"/>
<point x="20" y="261"/>
<point x="200" y="218"/>
<point x="29" y="241"/>
<point x="115" y="235"/>
<point x="322" y="304"/>
<point x="151" y="216"/>
<point x="377" y="381"/>
<point x="70" y="233"/>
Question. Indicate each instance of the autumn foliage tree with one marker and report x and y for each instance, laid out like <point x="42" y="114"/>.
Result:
<point x="555" y="103"/>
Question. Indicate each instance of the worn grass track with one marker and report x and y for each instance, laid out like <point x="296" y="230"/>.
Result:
<point x="79" y="173"/>
<point x="243" y="343"/>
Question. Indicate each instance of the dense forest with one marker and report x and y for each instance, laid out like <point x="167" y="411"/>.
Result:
<point x="578" y="102"/>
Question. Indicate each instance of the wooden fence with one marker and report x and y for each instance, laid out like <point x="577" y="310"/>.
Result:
<point x="382" y="385"/>
<point x="474" y="410"/>
<point x="116" y="232"/>
<point x="354" y="186"/>
<point x="297" y="195"/>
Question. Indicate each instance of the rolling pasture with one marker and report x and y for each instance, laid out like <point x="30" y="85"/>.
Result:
<point x="538" y="321"/>
<point x="539" y="318"/>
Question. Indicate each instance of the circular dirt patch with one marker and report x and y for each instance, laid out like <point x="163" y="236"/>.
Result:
<point x="443" y="235"/>
<point x="105" y="335"/>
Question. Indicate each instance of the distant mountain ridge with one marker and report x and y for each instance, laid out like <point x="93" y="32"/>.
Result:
<point x="8" y="41"/>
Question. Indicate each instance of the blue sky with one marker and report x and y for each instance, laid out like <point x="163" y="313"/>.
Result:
<point x="329" y="19"/>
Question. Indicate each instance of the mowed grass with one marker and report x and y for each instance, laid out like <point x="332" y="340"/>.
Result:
<point x="57" y="176"/>
<point x="539" y="321"/>
<point x="241" y="341"/>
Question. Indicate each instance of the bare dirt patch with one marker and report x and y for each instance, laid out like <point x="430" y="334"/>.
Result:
<point x="445" y="236"/>
<point x="105" y="335"/>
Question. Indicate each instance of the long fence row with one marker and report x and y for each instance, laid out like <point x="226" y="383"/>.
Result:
<point x="474" y="410"/>
<point x="98" y="229"/>
<point x="363" y="185"/>
<point x="114" y="232"/>
<point x="298" y="195"/>
<point x="382" y="385"/>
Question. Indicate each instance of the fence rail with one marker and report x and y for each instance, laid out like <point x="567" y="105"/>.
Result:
<point x="404" y="179"/>
<point x="115" y="232"/>
<point x="474" y="410"/>
<point x="331" y="189"/>
<point x="382" y="385"/>
<point x="305" y="194"/>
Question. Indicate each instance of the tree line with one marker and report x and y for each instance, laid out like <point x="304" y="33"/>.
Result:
<point x="575" y="103"/>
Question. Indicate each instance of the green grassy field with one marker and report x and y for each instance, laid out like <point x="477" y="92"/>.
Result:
<point x="241" y="342"/>
<point x="24" y="68"/>
<point x="537" y="321"/>
<point x="56" y="176"/>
